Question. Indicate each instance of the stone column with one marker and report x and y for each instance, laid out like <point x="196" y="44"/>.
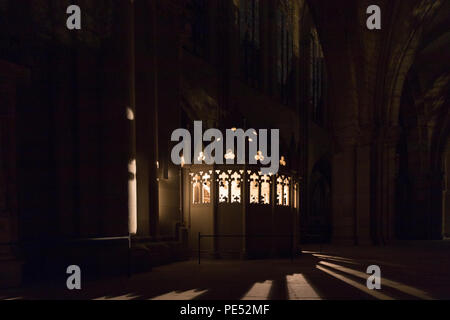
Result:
<point x="146" y="122"/>
<point x="343" y="196"/>
<point x="10" y="265"/>
<point x="363" y="192"/>
<point x="385" y="175"/>
<point x="343" y="188"/>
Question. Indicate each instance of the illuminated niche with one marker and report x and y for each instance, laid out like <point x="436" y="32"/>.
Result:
<point x="254" y="188"/>
<point x="283" y="184"/>
<point x="201" y="188"/>
<point x="236" y="188"/>
<point x="265" y="189"/>
<point x="259" y="188"/>
<point x="279" y="191"/>
<point x="206" y="187"/>
<point x="196" y="189"/>
<point x="286" y="192"/>
<point x="224" y="187"/>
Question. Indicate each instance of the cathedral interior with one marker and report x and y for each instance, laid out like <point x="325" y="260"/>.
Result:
<point x="86" y="176"/>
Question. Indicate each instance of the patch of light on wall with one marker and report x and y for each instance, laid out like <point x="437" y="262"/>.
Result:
<point x="130" y="114"/>
<point x="132" y="197"/>
<point x="295" y="195"/>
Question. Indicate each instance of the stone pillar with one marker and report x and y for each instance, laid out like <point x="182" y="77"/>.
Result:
<point x="117" y="75"/>
<point x="169" y="36"/>
<point x="363" y="192"/>
<point x="343" y="196"/>
<point x="390" y="172"/>
<point x="352" y="188"/>
<point x="10" y="265"/>
<point x="385" y="175"/>
<point x="146" y="123"/>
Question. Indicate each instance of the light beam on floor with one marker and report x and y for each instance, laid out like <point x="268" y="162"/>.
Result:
<point x="384" y="282"/>
<point x="334" y="258"/>
<point x="300" y="289"/>
<point x="259" y="291"/>
<point x="374" y="293"/>
<point x="127" y="296"/>
<point x="183" y="295"/>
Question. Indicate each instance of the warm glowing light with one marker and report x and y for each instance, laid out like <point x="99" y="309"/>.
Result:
<point x="229" y="155"/>
<point x="254" y="188"/>
<point x="182" y="161"/>
<point x="265" y="189"/>
<point x="233" y="129"/>
<point x="280" y="191"/>
<point x="223" y="187"/>
<point x="250" y="139"/>
<point x="196" y="189"/>
<point x="206" y="188"/>
<point x="259" y="291"/>
<point x="286" y="192"/>
<point x="283" y="161"/>
<point x="236" y="188"/>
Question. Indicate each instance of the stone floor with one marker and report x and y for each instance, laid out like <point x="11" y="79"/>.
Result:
<point x="409" y="271"/>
